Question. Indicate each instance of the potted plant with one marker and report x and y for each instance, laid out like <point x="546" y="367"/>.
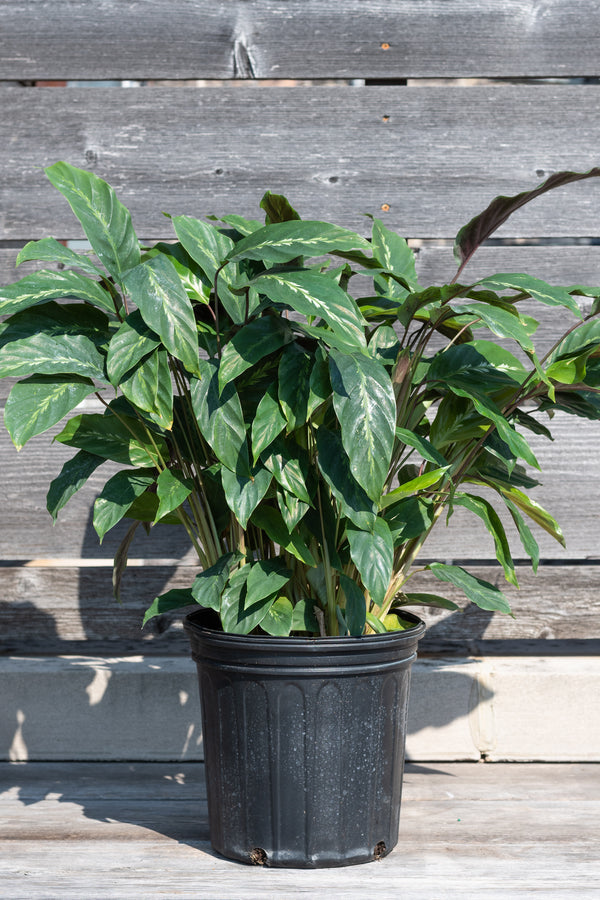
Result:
<point x="293" y="397"/>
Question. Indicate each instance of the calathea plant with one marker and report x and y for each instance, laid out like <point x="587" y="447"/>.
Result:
<point x="307" y="420"/>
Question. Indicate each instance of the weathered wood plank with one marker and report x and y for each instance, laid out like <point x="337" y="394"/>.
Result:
<point x="434" y="156"/>
<point x="519" y="831"/>
<point x="272" y="39"/>
<point x="70" y="610"/>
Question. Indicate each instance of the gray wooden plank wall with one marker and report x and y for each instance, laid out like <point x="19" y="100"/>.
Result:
<point x="383" y="118"/>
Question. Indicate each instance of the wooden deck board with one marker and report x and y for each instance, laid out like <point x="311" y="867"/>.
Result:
<point x="484" y="831"/>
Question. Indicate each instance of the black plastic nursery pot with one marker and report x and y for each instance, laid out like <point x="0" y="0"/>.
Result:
<point x="304" y="742"/>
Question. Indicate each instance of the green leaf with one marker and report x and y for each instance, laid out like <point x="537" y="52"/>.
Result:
<point x="303" y="616"/>
<point x="267" y="577"/>
<point x="271" y="522"/>
<point x="294" y="384"/>
<point x="244" y="493"/>
<point x="269" y="421"/>
<point x="196" y="283"/>
<point x="530" y="545"/>
<point x="377" y="626"/>
<point x="209" y="248"/>
<point x="149" y="388"/>
<point x="539" y="290"/>
<point x="277" y="209"/>
<point x="373" y="555"/>
<point x="291" y="508"/>
<point x="364" y="402"/>
<point x="279" y="618"/>
<point x="36" y="404"/>
<point x="499" y="321"/>
<point x="209" y="584"/>
<point x="335" y="468"/>
<point x="483" y="594"/>
<point x="425" y="447"/>
<point x="106" y="222"/>
<point x="156" y="289"/>
<point x="117" y="495"/>
<point x="315" y="294"/>
<point x="394" y="254"/>
<point x="176" y="598"/>
<point x="583" y="340"/>
<point x="51" y="250"/>
<point x="426" y="600"/>
<point x="320" y="383"/>
<point x="220" y="418"/>
<point x="57" y="319"/>
<point x="238" y="617"/>
<point x="535" y="512"/>
<point x="43" y="354"/>
<point x="39" y="287"/>
<point x="422" y="482"/>
<point x="289" y="465"/>
<point x="172" y="490"/>
<point x="71" y="478"/>
<point x="489" y="516"/>
<point x="259" y="338"/>
<point x="282" y="241"/>
<point x="122" y="439"/>
<point x="355" y="610"/>
<point x="132" y="341"/>
<point x="409" y="518"/>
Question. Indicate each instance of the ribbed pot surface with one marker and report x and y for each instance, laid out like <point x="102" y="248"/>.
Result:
<point x="304" y="743"/>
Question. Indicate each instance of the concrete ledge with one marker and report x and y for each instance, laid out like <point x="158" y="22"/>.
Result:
<point x="503" y="708"/>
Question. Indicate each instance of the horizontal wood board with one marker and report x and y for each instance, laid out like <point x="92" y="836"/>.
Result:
<point x="131" y="830"/>
<point x="425" y="159"/>
<point x="294" y="39"/>
<point x="70" y="610"/>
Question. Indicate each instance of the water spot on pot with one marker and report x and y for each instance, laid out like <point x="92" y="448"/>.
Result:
<point x="380" y="850"/>
<point x="258" y="857"/>
<point x="97" y="687"/>
<point x="183" y="697"/>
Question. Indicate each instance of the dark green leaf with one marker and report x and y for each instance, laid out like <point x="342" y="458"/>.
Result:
<point x="172" y="489"/>
<point x="539" y="290"/>
<point x="288" y="462"/>
<point x="365" y="406"/>
<point x="271" y="522"/>
<point x="117" y="495"/>
<point x="269" y="421"/>
<point x="122" y="439"/>
<point x="530" y="544"/>
<point x="238" y="617"/>
<point x="209" y="248"/>
<point x="106" y="222"/>
<point x="244" y="493"/>
<point x="283" y="241"/>
<point x="39" y="287"/>
<point x="536" y="512"/>
<point x="279" y="618"/>
<point x="165" y="307"/>
<point x="43" y="354"/>
<point x="277" y="208"/>
<point x="51" y="250"/>
<point x="335" y="468"/>
<point x="259" y="338"/>
<point x="131" y="343"/>
<point x="36" y="404"/>
<point x="394" y="254"/>
<point x="267" y="577"/>
<point x="176" y="598"/>
<point x="294" y="384"/>
<point x="150" y="389"/>
<point x="373" y="555"/>
<point x="303" y="617"/>
<point x="72" y="477"/>
<point x="209" y="584"/>
<point x="483" y="594"/>
<point x="425" y="447"/>
<point x="426" y="600"/>
<point x="315" y="294"/>
<point x="355" y="610"/>
<point x="489" y="516"/>
<point x="220" y="418"/>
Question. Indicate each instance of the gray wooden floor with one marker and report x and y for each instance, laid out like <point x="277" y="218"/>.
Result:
<point x="139" y="830"/>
